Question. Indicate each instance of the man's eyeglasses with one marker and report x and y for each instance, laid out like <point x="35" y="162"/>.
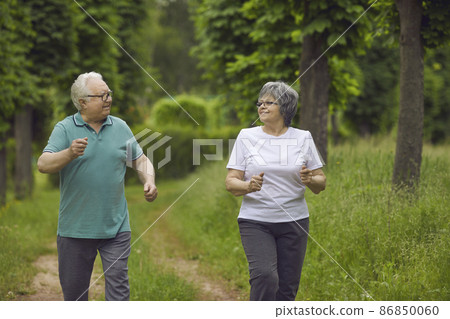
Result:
<point x="104" y="96"/>
<point x="258" y="104"/>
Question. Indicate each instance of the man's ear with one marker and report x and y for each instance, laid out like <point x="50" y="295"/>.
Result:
<point x="82" y="103"/>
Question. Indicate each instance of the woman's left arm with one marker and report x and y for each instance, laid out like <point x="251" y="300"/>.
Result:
<point x="314" y="179"/>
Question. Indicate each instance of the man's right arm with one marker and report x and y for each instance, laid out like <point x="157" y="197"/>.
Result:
<point x="54" y="162"/>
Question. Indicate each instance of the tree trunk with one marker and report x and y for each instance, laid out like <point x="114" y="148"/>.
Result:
<point x="314" y="92"/>
<point x="3" y="169"/>
<point x="23" y="174"/>
<point x="408" y="155"/>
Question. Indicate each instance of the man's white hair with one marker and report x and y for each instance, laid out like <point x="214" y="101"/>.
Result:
<point x="79" y="87"/>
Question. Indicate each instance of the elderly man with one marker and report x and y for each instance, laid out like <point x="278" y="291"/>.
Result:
<point x="90" y="150"/>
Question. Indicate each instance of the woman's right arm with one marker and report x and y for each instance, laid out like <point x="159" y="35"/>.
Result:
<point x="238" y="187"/>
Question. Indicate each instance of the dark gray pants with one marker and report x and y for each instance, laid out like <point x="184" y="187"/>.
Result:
<point x="275" y="254"/>
<point x="76" y="258"/>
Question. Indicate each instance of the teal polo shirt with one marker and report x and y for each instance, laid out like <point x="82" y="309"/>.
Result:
<point x="92" y="199"/>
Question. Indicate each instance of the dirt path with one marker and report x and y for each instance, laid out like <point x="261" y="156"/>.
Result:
<point x="169" y="253"/>
<point x="209" y="289"/>
<point x="166" y="251"/>
<point x="46" y="287"/>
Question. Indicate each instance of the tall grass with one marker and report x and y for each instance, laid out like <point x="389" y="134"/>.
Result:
<point x="392" y="245"/>
<point x="366" y="241"/>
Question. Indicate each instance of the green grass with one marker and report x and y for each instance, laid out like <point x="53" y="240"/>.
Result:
<point x="27" y="230"/>
<point x="394" y="245"/>
<point x="148" y="279"/>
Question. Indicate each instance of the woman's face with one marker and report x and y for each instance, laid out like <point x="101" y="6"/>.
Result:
<point x="269" y="110"/>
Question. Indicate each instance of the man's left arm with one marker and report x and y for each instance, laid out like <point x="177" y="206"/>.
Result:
<point x="146" y="173"/>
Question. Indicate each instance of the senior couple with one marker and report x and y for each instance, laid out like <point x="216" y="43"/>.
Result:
<point x="270" y="165"/>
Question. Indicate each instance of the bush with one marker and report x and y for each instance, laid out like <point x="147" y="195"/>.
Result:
<point x="167" y="112"/>
<point x="181" y="148"/>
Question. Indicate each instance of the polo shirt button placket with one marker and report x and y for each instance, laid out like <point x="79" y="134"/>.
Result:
<point x="91" y="130"/>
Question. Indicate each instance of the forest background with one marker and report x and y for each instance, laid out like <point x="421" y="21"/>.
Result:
<point x="193" y="70"/>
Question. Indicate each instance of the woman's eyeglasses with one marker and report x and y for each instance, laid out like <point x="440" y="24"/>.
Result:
<point x="258" y="104"/>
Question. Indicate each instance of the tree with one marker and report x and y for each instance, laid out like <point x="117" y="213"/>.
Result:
<point x="173" y="36"/>
<point x="269" y="40"/>
<point x="222" y="33"/>
<point x="422" y="24"/>
<point x="17" y="85"/>
<point x="51" y="58"/>
<point x="323" y="25"/>
<point x="128" y="25"/>
<point x="136" y="23"/>
<point x="408" y="155"/>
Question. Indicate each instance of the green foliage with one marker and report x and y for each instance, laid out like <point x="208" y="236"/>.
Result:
<point x="181" y="152"/>
<point x="117" y="23"/>
<point x="344" y="73"/>
<point x="134" y="87"/>
<point x="97" y="51"/>
<point x="375" y="109"/>
<point x="205" y="222"/>
<point x="168" y="111"/>
<point x="53" y="48"/>
<point x="26" y="230"/>
<point x="17" y="85"/>
<point x="181" y="148"/>
<point x="222" y="33"/>
<point x="387" y="241"/>
<point x="437" y="96"/>
<point x="264" y="44"/>
<point x="172" y="38"/>
<point x="436" y="23"/>
<point x="393" y="245"/>
<point x="148" y="280"/>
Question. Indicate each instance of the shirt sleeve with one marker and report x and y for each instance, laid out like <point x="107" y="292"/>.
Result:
<point x="312" y="156"/>
<point x="58" y="140"/>
<point x="134" y="150"/>
<point x="237" y="157"/>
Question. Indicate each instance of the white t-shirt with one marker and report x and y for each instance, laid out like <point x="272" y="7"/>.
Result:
<point x="281" y="198"/>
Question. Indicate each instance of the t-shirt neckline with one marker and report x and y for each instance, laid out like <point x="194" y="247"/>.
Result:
<point x="274" y="136"/>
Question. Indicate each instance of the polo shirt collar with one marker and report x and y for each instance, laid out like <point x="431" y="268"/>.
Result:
<point x="78" y="119"/>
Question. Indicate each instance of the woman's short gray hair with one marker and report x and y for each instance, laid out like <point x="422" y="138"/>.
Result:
<point x="79" y="87"/>
<point x="285" y="96"/>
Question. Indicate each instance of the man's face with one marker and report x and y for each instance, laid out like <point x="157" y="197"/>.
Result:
<point x="96" y="109"/>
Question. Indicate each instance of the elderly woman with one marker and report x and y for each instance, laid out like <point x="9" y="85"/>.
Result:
<point x="271" y="165"/>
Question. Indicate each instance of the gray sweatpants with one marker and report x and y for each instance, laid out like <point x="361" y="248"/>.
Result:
<point x="275" y="254"/>
<point x="76" y="258"/>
